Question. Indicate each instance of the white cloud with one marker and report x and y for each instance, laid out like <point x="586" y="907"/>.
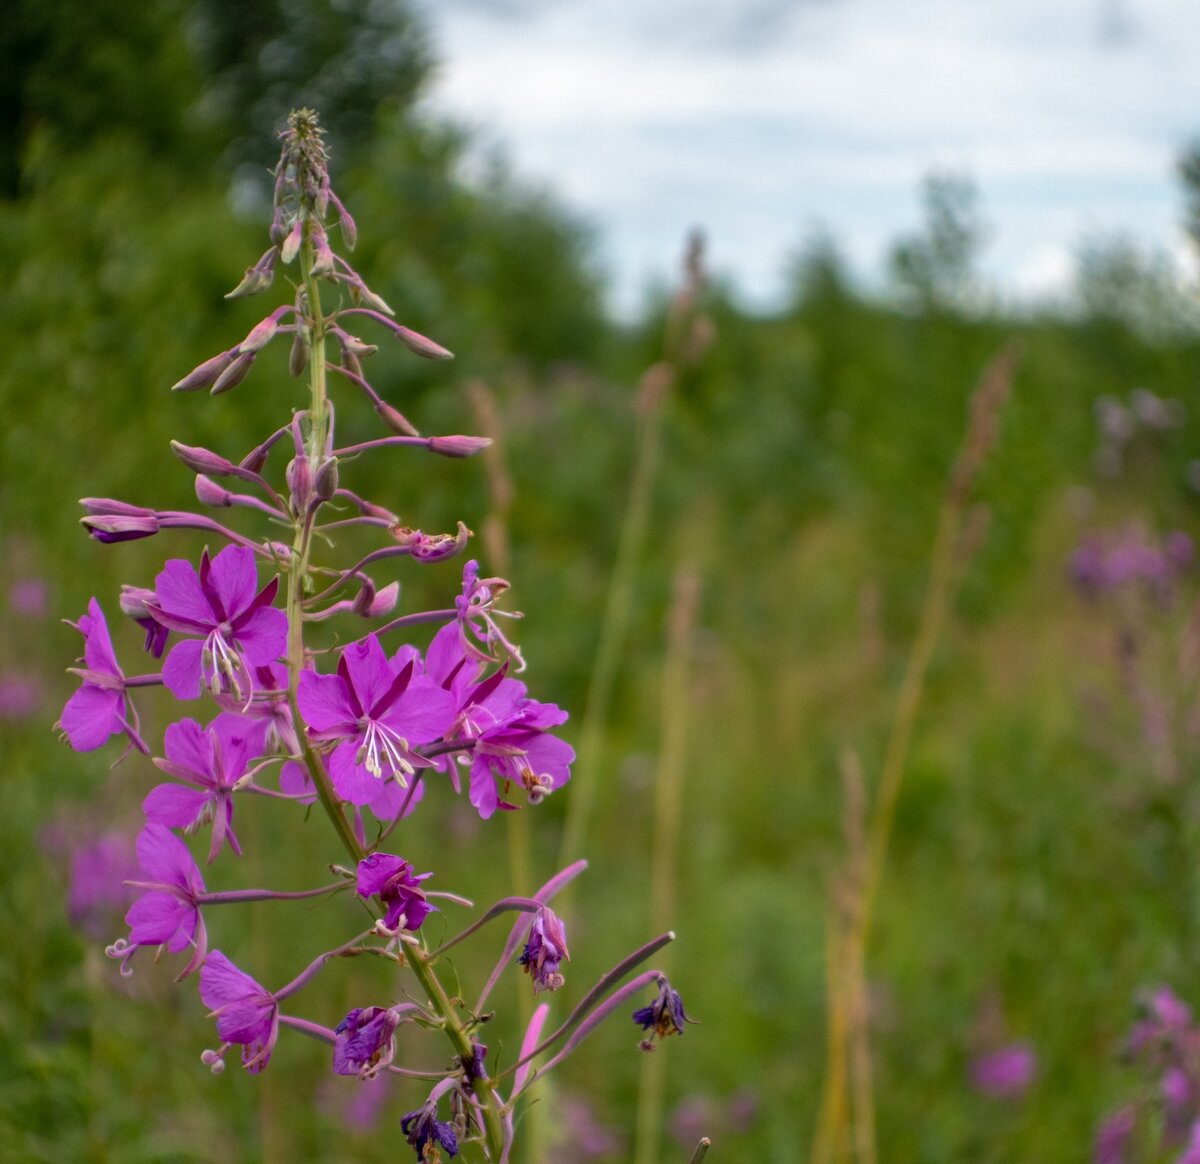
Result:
<point x="757" y="118"/>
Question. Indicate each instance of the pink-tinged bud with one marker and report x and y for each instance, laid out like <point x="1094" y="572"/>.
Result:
<point x="263" y="331"/>
<point x="361" y="293"/>
<point x="257" y="278"/>
<point x="298" y="356"/>
<point x="234" y="374"/>
<point x="280" y="551"/>
<point x="133" y="601"/>
<point x="290" y="247"/>
<point x="208" y="492"/>
<point x="322" y="255"/>
<point x="202" y="460"/>
<point x="458" y="446"/>
<point x="355" y="347"/>
<point x="325" y="485"/>
<point x="300" y="483"/>
<point x="370" y="509"/>
<point x="431" y="547"/>
<point x="120" y="527"/>
<point x="376" y="604"/>
<point x="205" y="374"/>
<point x="395" y="419"/>
<point x="279" y="228"/>
<point x="421" y="345"/>
<point x="345" y="222"/>
<point x="108" y="507"/>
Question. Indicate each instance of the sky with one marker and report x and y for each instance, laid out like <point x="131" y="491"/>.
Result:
<point x="763" y="121"/>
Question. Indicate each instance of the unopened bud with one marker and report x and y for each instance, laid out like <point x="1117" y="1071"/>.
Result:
<point x="298" y="356"/>
<point x="322" y="255"/>
<point x="457" y="446"/>
<point x="120" y="527"/>
<point x="395" y="419"/>
<point x="202" y="460"/>
<point x="263" y="332"/>
<point x="208" y="492"/>
<point x="421" y="345"/>
<point x="300" y="483"/>
<point x="257" y="278"/>
<point x="109" y="507"/>
<point x="345" y="222"/>
<point x="325" y="485"/>
<point x="361" y="293"/>
<point x="133" y="601"/>
<point x="371" y="603"/>
<point x="290" y="247"/>
<point x="279" y="228"/>
<point x="352" y="345"/>
<point x="205" y="374"/>
<point x="234" y="374"/>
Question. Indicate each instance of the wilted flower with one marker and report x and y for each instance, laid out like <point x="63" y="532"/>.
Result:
<point x="426" y="1133"/>
<point x="246" y="1013"/>
<point x="545" y="948"/>
<point x="664" y="1016"/>
<point x="398" y="887"/>
<point x="365" y="1043"/>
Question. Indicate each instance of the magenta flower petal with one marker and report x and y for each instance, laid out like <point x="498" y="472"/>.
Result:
<point x="233" y="579"/>
<point x="325" y="704"/>
<point x="91" y="715"/>
<point x="181" y="669"/>
<point x="351" y="780"/>
<point x="175" y="806"/>
<point x="246" y="1013"/>
<point x="168" y="912"/>
<point x="368" y="671"/>
<point x="179" y="597"/>
<point x="264" y="638"/>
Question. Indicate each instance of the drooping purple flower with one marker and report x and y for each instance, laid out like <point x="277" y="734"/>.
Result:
<point x="1005" y="1073"/>
<point x="365" y="1041"/>
<point x="398" y="887"/>
<point x="231" y="627"/>
<point x="246" y="1012"/>
<point x="426" y="1133"/>
<point x="664" y="1016"/>
<point x="100" y="708"/>
<point x="133" y="603"/>
<point x="168" y="912"/>
<point x="1114" y="1136"/>
<point x="545" y="948"/>
<point x="520" y="753"/>
<point x="377" y="711"/>
<point x="211" y="761"/>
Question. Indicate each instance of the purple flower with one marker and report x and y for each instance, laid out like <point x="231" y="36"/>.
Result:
<point x="233" y="627"/>
<point x="1005" y="1073"/>
<point x="100" y="708"/>
<point x="27" y="597"/>
<point x="520" y="752"/>
<point x="1191" y="1154"/>
<point x="427" y="1134"/>
<point x="1114" y="1137"/>
<point x="19" y="696"/>
<point x="377" y="711"/>
<point x="545" y="948"/>
<point x="100" y="868"/>
<point x="365" y="1041"/>
<point x="212" y="760"/>
<point x="168" y="912"/>
<point x="399" y="889"/>
<point x="664" y="1016"/>
<point x="246" y="1013"/>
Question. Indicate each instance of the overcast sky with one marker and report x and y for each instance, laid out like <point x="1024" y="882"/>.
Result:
<point x="760" y="119"/>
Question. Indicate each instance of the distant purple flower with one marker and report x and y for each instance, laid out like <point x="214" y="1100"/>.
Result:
<point x="545" y="948"/>
<point x="1114" y="1138"/>
<point x="521" y="753"/>
<point x="583" y="1136"/>
<point x="1191" y="1154"/>
<point x="664" y="1016"/>
<point x="212" y="760"/>
<point x="232" y="627"/>
<point x="100" y="867"/>
<point x="100" y="708"/>
<point x="19" y="696"/>
<point x="246" y="1012"/>
<point x="168" y="912"/>
<point x="27" y="597"/>
<point x="1005" y="1073"/>
<point x="426" y="1133"/>
<point x="1167" y="1018"/>
<point x="365" y="1041"/>
<point x="377" y="711"/>
<point x="393" y="880"/>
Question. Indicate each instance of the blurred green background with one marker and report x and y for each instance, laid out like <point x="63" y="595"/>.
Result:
<point x="1043" y="867"/>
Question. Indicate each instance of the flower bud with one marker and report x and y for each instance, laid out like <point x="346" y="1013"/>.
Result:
<point x="257" y="278"/>
<point x="322" y="255"/>
<point x="202" y="460"/>
<point x="345" y="222"/>
<point x="263" y="332"/>
<point x="375" y="604"/>
<point x="361" y="293"/>
<point x="290" y="247"/>
<point x="431" y="547"/>
<point x="234" y="374"/>
<point x="352" y="345"/>
<point x="205" y="374"/>
<point x="115" y="527"/>
<point x="421" y="345"/>
<point x="326" y="481"/>
<point x="457" y="446"/>
<point x="208" y="492"/>
<point x="300" y="483"/>
<point x="133" y="605"/>
<point x="279" y="229"/>
<point x="108" y="507"/>
<point x="395" y="419"/>
<point x="298" y="356"/>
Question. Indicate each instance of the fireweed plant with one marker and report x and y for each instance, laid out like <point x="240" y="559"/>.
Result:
<point x="359" y="730"/>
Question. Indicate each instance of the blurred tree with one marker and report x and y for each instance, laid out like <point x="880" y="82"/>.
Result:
<point x="1189" y="174"/>
<point x="936" y="268"/>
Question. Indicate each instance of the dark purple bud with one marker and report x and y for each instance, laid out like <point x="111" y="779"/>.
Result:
<point x="120" y="528"/>
<point x="298" y="355"/>
<point x="426" y="1134"/>
<point x="457" y="446"/>
<point x="421" y="345"/>
<point x="234" y="374"/>
<point x="208" y="492"/>
<point x="325" y="485"/>
<point x="202" y="460"/>
<point x="395" y="419"/>
<point x="207" y="373"/>
<point x="300" y="484"/>
<point x="664" y="1016"/>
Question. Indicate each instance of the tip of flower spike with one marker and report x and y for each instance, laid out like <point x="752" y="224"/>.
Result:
<point x="421" y="345"/>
